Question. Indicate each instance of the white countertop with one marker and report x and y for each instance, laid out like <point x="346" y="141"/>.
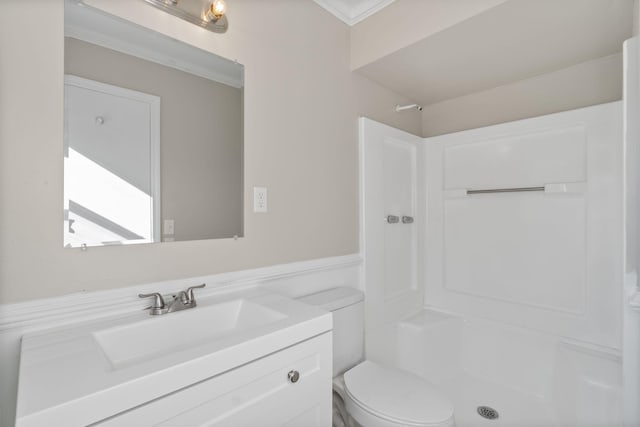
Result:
<point x="65" y="378"/>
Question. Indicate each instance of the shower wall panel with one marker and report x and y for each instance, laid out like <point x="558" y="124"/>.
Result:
<point x="548" y="259"/>
<point x="390" y="174"/>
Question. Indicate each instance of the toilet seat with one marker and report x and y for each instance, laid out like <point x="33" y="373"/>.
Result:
<point x="386" y="397"/>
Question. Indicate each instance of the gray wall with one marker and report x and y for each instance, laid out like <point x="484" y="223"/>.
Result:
<point x="589" y="83"/>
<point x="201" y="137"/>
<point x="301" y="141"/>
<point x="636" y="17"/>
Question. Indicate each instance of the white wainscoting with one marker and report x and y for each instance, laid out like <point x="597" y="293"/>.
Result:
<point x="292" y="279"/>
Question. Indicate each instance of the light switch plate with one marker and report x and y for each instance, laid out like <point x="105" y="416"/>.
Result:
<point x="259" y="199"/>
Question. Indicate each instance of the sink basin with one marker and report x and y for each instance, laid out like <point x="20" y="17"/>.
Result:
<point x="85" y="372"/>
<point x="160" y="335"/>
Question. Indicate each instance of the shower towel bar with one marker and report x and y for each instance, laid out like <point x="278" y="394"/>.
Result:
<point x="506" y="190"/>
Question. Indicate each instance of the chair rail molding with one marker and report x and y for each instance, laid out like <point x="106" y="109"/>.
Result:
<point x="81" y="306"/>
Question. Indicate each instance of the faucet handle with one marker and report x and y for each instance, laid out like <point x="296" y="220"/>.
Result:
<point x="158" y="306"/>
<point x="190" y="297"/>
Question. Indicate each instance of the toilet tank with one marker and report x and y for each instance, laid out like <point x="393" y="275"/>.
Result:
<point x="347" y="307"/>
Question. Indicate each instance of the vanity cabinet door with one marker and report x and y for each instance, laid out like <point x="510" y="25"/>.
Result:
<point x="289" y="388"/>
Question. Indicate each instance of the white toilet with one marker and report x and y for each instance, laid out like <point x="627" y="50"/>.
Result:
<point x="370" y="394"/>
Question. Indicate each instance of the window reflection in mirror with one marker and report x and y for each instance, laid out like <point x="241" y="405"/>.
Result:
<point x="153" y="146"/>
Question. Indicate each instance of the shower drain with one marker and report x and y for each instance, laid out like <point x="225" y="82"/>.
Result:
<point x="487" y="412"/>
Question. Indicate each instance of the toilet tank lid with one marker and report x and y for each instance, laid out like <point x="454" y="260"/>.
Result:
<point x="334" y="299"/>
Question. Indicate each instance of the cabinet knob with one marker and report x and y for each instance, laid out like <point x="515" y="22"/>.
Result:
<point x="293" y="376"/>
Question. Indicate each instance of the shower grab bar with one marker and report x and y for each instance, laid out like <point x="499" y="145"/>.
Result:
<point x="506" y="190"/>
<point x="552" y="188"/>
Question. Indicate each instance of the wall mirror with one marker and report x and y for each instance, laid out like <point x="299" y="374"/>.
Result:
<point x="153" y="136"/>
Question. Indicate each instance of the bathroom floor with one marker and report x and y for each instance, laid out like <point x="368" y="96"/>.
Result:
<point x="515" y="408"/>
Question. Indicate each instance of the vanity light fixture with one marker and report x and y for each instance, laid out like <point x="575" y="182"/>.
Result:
<point x="211" y="17"/>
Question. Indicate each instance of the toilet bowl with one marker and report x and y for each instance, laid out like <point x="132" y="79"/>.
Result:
<point x="369" y="394"/>
<point x="379" y="396"/>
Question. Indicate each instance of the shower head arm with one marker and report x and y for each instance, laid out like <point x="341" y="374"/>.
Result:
<point x="408" y="107"/>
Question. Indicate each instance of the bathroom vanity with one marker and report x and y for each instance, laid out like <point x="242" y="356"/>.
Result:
<point x="243" y="358"/>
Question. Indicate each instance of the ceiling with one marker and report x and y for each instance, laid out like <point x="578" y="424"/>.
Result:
<point x="516" y="40"/>
<point x="353" y="11"/>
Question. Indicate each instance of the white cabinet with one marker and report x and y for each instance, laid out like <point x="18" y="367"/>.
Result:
<point x="259" y="393"/>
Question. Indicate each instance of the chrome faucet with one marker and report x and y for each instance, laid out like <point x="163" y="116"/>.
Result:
<point x="182" y="301"/>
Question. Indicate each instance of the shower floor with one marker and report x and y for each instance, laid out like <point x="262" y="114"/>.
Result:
<point x="532" y="379"/>
<point x="515" y="408"/>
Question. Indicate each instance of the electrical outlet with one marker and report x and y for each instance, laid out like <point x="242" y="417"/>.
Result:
<point x="259" y="199"/>
<point x="168" y="227"/>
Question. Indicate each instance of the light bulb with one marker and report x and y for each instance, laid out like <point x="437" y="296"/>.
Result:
<point x="217" y="9"/>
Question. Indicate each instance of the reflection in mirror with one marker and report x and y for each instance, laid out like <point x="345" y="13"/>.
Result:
<point x="153" y="142"/>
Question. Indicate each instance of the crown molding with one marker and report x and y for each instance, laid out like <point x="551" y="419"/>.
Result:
<point x="351" y="15"/>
